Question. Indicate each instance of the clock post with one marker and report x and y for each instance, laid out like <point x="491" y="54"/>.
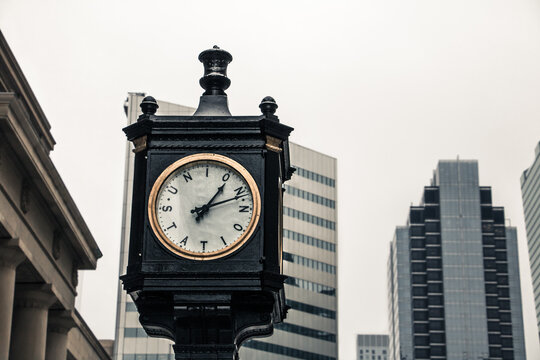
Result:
<point x="205" y="255"/>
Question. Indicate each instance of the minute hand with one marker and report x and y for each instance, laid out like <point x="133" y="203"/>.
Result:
<point x="227" y="200"/>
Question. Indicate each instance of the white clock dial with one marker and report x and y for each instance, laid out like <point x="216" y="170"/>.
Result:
<point x="204" y="206"/>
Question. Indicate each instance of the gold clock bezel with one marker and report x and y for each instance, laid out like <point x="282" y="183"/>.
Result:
<point x="210" y="157"/>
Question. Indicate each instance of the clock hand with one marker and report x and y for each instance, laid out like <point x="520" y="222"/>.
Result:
<point x="227" y="200"/>
<point x="219" y="190"/>
<point x="204" y="209"/>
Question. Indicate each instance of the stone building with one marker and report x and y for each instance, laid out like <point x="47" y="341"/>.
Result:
<point x="44" y="240"/>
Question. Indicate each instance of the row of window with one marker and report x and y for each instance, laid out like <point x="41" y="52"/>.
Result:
<point x="373" y="357"/>
<point x="310" y="196"/>
<point x="426" y="314"/>
<point x="498" y="352"/>
<point x="314" y="176"/>
<point x="431" y="300"/>
<point x="432" y="288"/>
<point x="494" y="314"/>
<point x="309" y="218"/>
<point x="433" y="350"/>
<point x="311" y="286"/>
<point x="425" y="340"/>
<point x="314" y="264"/>
<point x="304" y="331"/>
<point x="311" y="309"/>
<point x="310" y="240"/>
<point x="134" y="332"/>
<point x="496" y="286"/>
<point x="148" y="357"/>
<point x="433" y="325"/>
<point x="285" y="351"/>
<point x="361" y="351"/>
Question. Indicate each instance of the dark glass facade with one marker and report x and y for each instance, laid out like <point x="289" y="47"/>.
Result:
<point x="426" y="278"/>
<point x="459" y="262"/>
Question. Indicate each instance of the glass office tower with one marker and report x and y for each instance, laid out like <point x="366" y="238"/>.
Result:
<point x="453" y="270"/>
<point x="310" y="261"/>
<point x="530" y="190"/>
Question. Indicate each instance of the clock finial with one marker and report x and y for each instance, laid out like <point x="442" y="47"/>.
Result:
<point x="149" y="105"/>
<point x="268" y="107"/>
<point x="214" y="81"/>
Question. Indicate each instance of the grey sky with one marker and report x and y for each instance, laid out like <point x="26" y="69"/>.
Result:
<point x="387" y="87"/>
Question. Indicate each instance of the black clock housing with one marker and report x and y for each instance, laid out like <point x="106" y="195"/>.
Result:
<point x="209" y="306"/>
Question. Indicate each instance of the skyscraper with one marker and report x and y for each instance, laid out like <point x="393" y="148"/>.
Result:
<point x="310" y="260"/>
<point x="454" y="290"/>
<point x="530" y="190"/>
<point x="371" y="347"/>
<point x="131" y="341"/>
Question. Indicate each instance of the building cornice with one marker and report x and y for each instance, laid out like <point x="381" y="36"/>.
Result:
<point x="20" y="134"/>
<point x="13" y="79"/>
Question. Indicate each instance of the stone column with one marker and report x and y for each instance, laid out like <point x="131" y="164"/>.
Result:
<point x="60" y="322"/>
<point x="29" y="328"/>
<point x="10" y="257"/>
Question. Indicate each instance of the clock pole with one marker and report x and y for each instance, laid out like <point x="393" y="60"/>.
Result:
<point x="208" y="291"/>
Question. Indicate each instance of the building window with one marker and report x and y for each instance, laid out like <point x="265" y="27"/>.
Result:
<point x="134" y="332"/>
<point x="310" y="196"/>
<point x="304" y="331"/>
<point x="314" y="176"/>
<point x="309" y="240"/>
<point x="315" y="310"/>
<point x="286" y="351"/>
<point x="311" y="286"/>
<point x="314" y="264"/>
<point x="300" y="215"/>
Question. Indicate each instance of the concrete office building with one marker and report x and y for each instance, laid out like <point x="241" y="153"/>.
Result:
<point x="372" y="347"/>
<point x="310" y="260"/>
<point x="454" y="289"/>
<point x="530" y="189"/>
<point x="131" y="341"/>
<point x="44" y="240"/>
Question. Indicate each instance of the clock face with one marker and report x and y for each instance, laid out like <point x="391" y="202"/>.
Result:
<point x="204" y="206"/>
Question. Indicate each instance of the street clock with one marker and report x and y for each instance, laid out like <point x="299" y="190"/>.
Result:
<point x="205" y="254"/>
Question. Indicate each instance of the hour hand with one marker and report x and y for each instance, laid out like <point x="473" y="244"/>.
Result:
<point x="204" y="209"/>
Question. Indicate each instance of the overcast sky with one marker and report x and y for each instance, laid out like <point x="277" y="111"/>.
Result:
<point x="386" y="87"/>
